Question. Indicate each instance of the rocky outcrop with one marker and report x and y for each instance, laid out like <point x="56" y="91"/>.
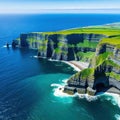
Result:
<point x="102" y="74"/>
<point x="60" y="46"/>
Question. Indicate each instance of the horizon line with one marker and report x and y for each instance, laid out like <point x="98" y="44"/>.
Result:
<point x="75" y="11"/>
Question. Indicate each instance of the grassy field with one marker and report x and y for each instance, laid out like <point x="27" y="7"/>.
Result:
<point x="111" y="41"/>
<point x="108" y="31"/>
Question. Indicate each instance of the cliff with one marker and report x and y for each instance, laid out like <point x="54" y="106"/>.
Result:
<point x="99" y="45"/>
<point x="103" y="72"/>
<point x="62" y="46"/>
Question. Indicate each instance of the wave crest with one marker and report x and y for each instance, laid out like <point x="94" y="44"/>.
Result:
<point x="117" y="117"/>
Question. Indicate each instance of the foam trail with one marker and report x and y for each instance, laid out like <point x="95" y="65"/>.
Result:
<point x="53" y="60"/>
<point x="4" y="46"/>
<point x="114" y="98"/>
<point x="35" y="56"/>
<point x="117" y="117"/>
<point x="58" y="90"/>
<point x="87" y="97"/>
<point x="65" y="81"/>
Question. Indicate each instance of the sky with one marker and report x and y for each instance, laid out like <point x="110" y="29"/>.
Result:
<point x="59" y="6"/>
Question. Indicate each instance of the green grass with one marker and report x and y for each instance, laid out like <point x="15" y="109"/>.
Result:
<point x="115" y="41"/>
<point x="85" y="56"/>
<point x="57" y="50"/>
<point x="42" y="48"/>
<point x="88" y="30"/>
<point x="60" y="44"/>
<point x="101" y="58"/>
<point x="87" y="74"/>
<point x="111" y="63"/>
<point x="87" y="44"/>
<point x="18" y="39"/>
<point x="71" y="45"/>
<point x="114" y="75"/>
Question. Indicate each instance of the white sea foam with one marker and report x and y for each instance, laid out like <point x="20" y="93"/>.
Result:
<point x="113" y="98"/>
<point x="55" y="85"/>
<point x="87" y="97"/>
<point x="58" y="90"/>
<point x="117" y="117"/>
<point x="5" y="46"/>
<point x="53" y="60"/>
<point x="35" y="56"/>
<point x="73" y="66"/>
<point x="65" y="81"/>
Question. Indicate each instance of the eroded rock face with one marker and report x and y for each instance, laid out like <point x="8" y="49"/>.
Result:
<point x="59" y="46"/>
<point x="101" y="79"/>
<point x="70" y="90"/>
<point x="91" y="91"/>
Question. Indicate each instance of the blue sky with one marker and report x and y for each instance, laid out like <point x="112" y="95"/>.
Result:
<point x="46" y="6"/>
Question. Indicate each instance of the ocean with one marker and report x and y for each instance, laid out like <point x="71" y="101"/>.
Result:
<point x="29" y="87"/>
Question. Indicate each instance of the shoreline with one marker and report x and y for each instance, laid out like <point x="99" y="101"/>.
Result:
<point x="77" y="65"/>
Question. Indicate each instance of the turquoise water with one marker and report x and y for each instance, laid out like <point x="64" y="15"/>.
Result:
<point x="29" y="87"/>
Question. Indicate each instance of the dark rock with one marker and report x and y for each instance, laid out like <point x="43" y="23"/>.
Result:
<point x="69" y="90"/>
<point x="15" y="43"/>
<point x="7" y="45"/>
<point x="23" y="40"/>
<point x="101" y="49"/>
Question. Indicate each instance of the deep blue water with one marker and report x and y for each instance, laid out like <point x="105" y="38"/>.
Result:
<point x="28" y="86"/>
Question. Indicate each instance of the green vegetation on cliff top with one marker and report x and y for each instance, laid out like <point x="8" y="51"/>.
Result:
<point x="114" y="75"/>
<point x="108" y="31"/>
<point x="87" y="73"/>
<point x="115" y="41"/>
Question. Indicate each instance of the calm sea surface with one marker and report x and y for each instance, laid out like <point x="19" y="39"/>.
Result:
<point x="29" y="86"/>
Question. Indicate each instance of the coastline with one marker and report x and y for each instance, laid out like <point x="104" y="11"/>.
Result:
<point x="77" y="65"/>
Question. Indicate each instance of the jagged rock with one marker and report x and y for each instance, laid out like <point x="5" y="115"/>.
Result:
<point x="100" y="49"/>
<point x="114" y="83"/>
<point x="81" y="90"/>
<point x="90" y="91"/>
<point x="15" y="43"/>
<point x="69" y="90"/>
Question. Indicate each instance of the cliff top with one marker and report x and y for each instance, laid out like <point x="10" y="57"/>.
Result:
<point x="108" y="30"/>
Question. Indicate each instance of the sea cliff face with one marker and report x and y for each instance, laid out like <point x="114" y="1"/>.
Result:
<point x="102" y="75"/>
<point x="100" y="46"/>
<point x="60" y="46"/>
